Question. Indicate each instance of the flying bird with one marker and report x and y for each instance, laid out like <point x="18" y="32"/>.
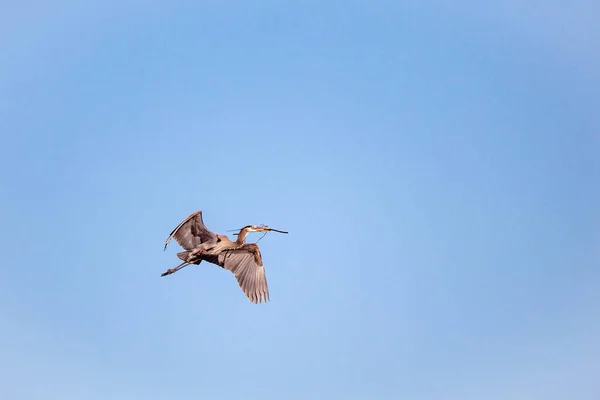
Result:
<point x="242" y="259"/>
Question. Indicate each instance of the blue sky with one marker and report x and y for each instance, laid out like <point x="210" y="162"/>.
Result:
<point x="437" y="167"/>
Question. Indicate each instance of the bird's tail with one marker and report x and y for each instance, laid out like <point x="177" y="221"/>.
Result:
<point x="190" y="258"/>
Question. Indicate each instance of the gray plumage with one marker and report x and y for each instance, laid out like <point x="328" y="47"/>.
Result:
<point x="242" y="259"/>
<point x="192" y="232"/>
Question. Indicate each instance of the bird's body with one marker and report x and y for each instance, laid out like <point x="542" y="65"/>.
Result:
<point x="242" y="259"/>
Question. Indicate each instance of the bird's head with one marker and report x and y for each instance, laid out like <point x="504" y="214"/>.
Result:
<point x="259" y="228"/>
<point x="253" y="228"/>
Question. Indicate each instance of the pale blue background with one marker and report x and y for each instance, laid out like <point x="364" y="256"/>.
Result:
<point x="437" y="166"/>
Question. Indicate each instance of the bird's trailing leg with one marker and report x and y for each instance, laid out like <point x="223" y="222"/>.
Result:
<point x="177" y="268"/>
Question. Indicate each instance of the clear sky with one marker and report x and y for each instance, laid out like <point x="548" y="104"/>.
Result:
<point x="437" y="167"/>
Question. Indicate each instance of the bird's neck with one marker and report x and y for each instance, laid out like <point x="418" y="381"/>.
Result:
<point x="241" y="239"/>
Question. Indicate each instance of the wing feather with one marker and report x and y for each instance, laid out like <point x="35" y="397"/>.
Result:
<point x="192" y="232"/>
<point x="246" y="264"/>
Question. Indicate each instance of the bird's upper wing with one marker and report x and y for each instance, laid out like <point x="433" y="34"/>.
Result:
<point x="246" y="264"/>
<point x="192" y="232"/>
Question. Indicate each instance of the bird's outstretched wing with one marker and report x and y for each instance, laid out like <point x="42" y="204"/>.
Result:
<point x="246" y="264"/>
<point x="192" y="232"/>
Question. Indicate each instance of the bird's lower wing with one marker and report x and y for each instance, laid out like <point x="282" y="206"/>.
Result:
<point x="249" y="272"/>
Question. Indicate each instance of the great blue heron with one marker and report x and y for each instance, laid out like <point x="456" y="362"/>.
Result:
<point x="242" y="259"/>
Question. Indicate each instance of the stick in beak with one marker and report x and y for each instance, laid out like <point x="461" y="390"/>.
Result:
<point x="274" y="230"/>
